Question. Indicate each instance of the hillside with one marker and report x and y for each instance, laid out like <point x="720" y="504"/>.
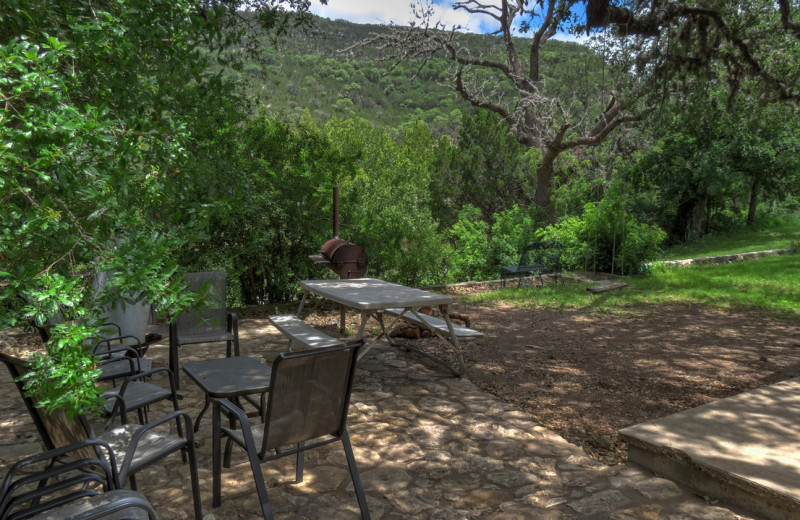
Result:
<point x="309" y="71"/>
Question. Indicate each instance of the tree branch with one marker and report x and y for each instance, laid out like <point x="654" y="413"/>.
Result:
<point x="476" y="101"/>
<point x="786" y="17"/>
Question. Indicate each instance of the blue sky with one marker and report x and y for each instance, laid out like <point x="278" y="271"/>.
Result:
<point x="399" y="13"/>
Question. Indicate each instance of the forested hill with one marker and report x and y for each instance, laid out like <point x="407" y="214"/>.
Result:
<point x="309" y="71"/>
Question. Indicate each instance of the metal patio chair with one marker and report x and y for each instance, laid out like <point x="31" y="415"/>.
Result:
<point x="211" y="323"/>
<point x="75" y="482"/>
<point x="536" y="259"/>
<point x="135" y="446"/>
<point x="308" y="400"/>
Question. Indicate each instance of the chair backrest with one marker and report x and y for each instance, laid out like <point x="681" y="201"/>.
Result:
<point x="544" y="253"/>
<point x="210" y="317"/>
<point x="55" y="429"/>
<point x="309" y="395"/>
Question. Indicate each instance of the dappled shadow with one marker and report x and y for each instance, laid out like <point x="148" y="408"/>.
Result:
<point x="587" y="376"/>
<point x="428" y="445"/>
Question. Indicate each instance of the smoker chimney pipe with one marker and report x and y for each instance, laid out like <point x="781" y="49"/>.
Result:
<point x="335" y="212"/>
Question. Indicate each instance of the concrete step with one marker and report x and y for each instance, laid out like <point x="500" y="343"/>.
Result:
<point x="744" y="449"/>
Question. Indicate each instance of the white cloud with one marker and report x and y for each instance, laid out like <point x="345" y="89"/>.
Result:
<point x="567" y="37"/>
<point x="397" y="12"/>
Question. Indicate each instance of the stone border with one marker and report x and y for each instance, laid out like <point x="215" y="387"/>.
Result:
<point x="722" y="259"/>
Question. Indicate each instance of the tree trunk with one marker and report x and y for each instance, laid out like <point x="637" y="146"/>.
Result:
<point x="544" y="181"/>
<point x="751" y="211"/>
<point x="697" y="214"/>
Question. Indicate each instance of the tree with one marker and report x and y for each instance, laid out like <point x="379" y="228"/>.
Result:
<point x="101" y="104"/>
<point x="758" y="39"/>
<point x="487" y="169"/>
<point x="510" y="82"/>
<point x="385" y="206"/>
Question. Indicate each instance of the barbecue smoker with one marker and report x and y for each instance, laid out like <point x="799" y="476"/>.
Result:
<point x="344" y="258"/>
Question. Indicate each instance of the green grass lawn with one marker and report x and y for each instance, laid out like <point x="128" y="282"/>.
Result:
<point x="768" y="285"/>
<point x="781" y="235"/>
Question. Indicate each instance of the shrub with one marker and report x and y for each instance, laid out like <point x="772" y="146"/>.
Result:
<point x="605" y="238"/>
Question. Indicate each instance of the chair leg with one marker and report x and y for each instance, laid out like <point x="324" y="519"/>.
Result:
<point x="174" y="364"/>
<point x="198" y="507"/>
<point x="299" y="469"/>
<point x="351" y="463"/>
<point x="216" y="462"/>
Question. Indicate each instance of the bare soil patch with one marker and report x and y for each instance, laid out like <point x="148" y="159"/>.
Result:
<point x="588" y="375"/>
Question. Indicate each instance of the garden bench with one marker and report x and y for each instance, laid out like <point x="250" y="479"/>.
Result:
<point x="434" y="323"/>
<point x="546" y="257"/>
<point x="301" y="332"/>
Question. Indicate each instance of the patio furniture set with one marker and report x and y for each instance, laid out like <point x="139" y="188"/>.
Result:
<point x="301" y="402"/>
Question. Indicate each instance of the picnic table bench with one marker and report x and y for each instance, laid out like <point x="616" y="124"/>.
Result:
<point x="301" y="332"/>
<point x="434" y="323"/>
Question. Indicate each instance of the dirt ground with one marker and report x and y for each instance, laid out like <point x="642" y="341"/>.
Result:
<point x="586" y="376"/>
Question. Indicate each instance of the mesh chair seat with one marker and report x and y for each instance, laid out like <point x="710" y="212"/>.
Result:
<point x="124" y="367"/>
<point x="152" y="445"/>
<point x="138" y="394"/>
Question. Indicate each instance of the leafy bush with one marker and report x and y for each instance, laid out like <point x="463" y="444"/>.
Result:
<point x="471" y="248"/>
<point x="606" y="238"/>
<point x="511" y="231"/>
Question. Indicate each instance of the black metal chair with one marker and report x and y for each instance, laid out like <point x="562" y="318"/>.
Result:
<point x="76" y="482"/>
<point x="536" y="259"/>
<point x="135" y="446"/>
<point x="309" y="397"/>
<point x="211" y="323"/>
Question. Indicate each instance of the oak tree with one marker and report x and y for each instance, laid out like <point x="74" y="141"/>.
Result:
<point x="510" y="81"/>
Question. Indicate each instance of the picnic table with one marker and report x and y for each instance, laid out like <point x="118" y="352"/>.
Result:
<point x="375" y="298"/>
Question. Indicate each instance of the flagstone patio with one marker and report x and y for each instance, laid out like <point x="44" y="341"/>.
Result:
<point x="428" y="445"/>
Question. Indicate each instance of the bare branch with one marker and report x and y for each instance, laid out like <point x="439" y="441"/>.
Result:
<point x="472" y="97"/>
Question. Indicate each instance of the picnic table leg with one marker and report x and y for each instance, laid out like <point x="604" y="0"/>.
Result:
<point x="302" y="302"/>
<point x="360" y="334"/>
<point x="462" y="367"/>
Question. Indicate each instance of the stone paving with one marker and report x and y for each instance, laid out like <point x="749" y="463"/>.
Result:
<point x="428" y="446"/>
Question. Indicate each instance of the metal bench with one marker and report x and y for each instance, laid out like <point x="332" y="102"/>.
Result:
<point x="301" y="332"/>
<point x="546" y="258"/>
<point x="434" y="323"/>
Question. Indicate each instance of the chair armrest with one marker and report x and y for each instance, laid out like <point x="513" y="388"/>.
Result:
<point x="131" y="450"/>
<point x="136" y="346"/>
<point x="127" y="502"/>
<point x="241" y="416"/>
<point x="132" y="353"/>
<point x="106" y="461"/>
<point x="119" y="407"/>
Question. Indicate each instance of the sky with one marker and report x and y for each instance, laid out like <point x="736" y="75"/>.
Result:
<point x="399" y="12"/>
